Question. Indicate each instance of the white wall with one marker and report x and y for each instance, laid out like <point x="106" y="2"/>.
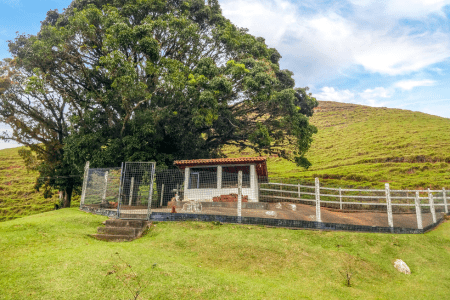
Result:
<point x="206" y="195"/>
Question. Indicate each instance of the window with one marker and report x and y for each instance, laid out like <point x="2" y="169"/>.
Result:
<point x="230" y="176"/>
<point x="203" y="178"/>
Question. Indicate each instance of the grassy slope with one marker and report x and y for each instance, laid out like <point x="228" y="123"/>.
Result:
<point x="365" y="146"/>
<point x="51" y="256"/>
<point x="356" y="146"/>
<point x="17" y="195"/>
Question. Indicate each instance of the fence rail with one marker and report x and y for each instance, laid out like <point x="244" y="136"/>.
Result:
<point x="240" y="195"/>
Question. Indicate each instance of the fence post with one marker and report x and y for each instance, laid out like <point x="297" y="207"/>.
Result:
<point x="85" y="178"/>
<point x="432" y="210"/>
<point x="162" y="195"/>
<point x="219" y="177"/>
<point x="317" y="190"/>
<point x="418" y="211"/>
<point x="150" y="194"/>
<point x="445" y="201"/>
<point x="122" y="174"/>
<point x="239" y="204"/>
<point x="131" y="191"/>
<point x="299" y="195"/>
<point x="389" y="205"/>
<point x="105" y="188"/>
<point x="186" y="183"/>
<point x="340" y="198"/>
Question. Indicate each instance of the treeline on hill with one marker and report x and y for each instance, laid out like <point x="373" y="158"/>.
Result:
<point x="108" y="81"/>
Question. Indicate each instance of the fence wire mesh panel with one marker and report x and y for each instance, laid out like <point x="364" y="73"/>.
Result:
<point x="237" y="194"/>
<point x="102" y="188"/>
<point x="136" y="190"/>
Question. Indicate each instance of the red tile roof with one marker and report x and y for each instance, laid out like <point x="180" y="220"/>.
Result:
<point x="260" y="162"/>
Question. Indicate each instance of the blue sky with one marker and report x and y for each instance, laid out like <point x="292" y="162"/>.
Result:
<point x="380" y="53"/>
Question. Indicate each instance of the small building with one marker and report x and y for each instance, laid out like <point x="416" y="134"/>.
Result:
<point x="208" y="178"/>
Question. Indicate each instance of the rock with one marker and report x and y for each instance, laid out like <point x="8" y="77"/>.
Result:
<point x="271" y="213"/>
<point x="192" y="206"/>
<point x="402" y="267"/>
<point x="292" y="207"/>
<point x="278" y="206"/>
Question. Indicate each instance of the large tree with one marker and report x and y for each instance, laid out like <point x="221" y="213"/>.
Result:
<point x="163" y="80"/>
<point x="38" y="119"/>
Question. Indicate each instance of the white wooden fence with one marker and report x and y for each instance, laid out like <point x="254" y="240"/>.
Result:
<point x="385" y="198"/>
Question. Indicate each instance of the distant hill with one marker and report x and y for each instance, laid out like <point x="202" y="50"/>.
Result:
<point x="367" y="146"/>
<point x="356" y="146"/>
<point x="17" y="195"/>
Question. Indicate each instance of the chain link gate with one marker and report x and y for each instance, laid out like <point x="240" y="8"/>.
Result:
<point x="136" y="190"/>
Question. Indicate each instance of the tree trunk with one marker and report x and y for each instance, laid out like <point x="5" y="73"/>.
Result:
<point x="61" y="198"/>
<point x="67" y="196"/>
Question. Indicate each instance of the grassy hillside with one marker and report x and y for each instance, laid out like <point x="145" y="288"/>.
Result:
<point x="356" y="146"/>
<point x="17" y="195"/>
<point x="366" y="146"/>
<point x="51" y="256"/>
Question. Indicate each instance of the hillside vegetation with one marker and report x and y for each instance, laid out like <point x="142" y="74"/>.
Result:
<point x="367" y="146"/>
<point x="51" y="256"/>
<point x="356" y="146"/>
<point x="18" y="197"/>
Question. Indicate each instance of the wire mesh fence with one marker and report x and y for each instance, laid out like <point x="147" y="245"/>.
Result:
<point x="238" y="194"/>
<point x="102" y="187"/>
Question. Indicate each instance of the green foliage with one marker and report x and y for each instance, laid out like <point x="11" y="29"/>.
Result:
<point x="51" y="256"/>
<point x="18" y="198"/>
<point x="38" y="119"/>
<point x="162" y="80"/>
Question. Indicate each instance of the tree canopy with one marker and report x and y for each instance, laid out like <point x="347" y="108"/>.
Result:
<point x="161" y="80"/>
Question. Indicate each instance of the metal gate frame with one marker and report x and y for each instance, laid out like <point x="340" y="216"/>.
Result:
<point x="121" y="197"/>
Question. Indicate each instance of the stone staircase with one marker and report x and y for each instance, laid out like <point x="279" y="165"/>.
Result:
<point x="119" y="230"/>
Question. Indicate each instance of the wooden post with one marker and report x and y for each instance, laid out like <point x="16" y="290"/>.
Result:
<point x="105" y="187"/>
<point x="131" y="191"/>
<point x="431" y="201"/>
<point x="445" y="200"/>
<point x="239" y="204"/>
<point x="85" y="179"/>
<point x="389" y="205"/>
<point x="340" y="198"/>
<point x="162" y="195"/>
<point x="299" y="195"/>
<point x="418" y="211"/>
<point x="317" y="190"/>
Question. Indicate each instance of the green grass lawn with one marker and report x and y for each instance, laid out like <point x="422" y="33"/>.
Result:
<point x="51" y="256"/>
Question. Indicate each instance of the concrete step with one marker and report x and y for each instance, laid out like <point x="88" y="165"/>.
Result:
<point x="125" y="223"/>
<point x="113" y="237"/>
<point x="119" y="231"/>
<point x="124" y="215"/>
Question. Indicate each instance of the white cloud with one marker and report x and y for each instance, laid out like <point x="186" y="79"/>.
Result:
<point x="378" y="92"/>
<point x="267" y="19"/>
<point x="330" y="94"/>
<point x="403" y="8"/>
<point x="371" y="97"/>
<point x="381" y="53"/>
<point x="6" y="145"/>
<point x="12" y="3"/>
<point x="410" y="84"/>
<point x="323" y="43"/>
